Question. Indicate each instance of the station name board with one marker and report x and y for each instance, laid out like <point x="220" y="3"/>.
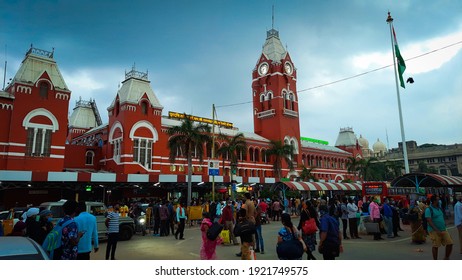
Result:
<point x="176" y="115"/>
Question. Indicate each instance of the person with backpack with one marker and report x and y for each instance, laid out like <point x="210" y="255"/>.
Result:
<point x="70" y="232"/>
<point x="208" y="246"/>
<point x="436" y="228"/>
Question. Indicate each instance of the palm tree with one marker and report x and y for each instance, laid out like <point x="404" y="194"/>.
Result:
<point x="352" y="165"/>
<point x="188" y="139"/>
<point x="280" y="152"/>
<point x="306" y="175"/>
<point x="365" y="168"/>
<point x="395" y="167"/>
<point x="232" y="148"/>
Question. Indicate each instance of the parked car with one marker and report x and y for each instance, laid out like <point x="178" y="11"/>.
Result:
<point x="9" y="218"/>
<point x="99" y="210"/>
<point x="21" y="248"/>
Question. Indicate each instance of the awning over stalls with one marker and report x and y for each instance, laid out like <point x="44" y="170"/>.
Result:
<point x="426" y="180"/>
<point x="323" y="186"/>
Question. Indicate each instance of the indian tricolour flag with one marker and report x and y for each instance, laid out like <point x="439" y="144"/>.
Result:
<point x="401" y="64"/>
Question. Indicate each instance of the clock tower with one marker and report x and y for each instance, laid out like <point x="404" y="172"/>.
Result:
<point x="274" y="91"/>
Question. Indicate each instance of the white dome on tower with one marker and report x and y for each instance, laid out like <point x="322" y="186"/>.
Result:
<point x="363" y="142"/>
<point x="379" y="147"/>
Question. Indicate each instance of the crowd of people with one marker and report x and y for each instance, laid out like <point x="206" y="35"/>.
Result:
<point x="243" y="219"/>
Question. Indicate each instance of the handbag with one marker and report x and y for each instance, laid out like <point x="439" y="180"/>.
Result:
<point x="290" y="250"/>
<point x="225" y="236"/>
<point x="309" y="226"/>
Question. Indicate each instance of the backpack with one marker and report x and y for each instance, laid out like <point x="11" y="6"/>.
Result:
<point x="214" y="231"/>
<point x="53" y="239"/>
<point x="424" y="220"/>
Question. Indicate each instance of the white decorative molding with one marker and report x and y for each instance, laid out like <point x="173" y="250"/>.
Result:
<point x="24" y="89"/>
<point x="146" y="124"/>
<point x="44" y="80"/>
<point x="127" y="107"/>
<point x="113" y="128"/>
<point x="62" y="96"/>
<point x="4" y="106"/>
<point x="41" y="112"/>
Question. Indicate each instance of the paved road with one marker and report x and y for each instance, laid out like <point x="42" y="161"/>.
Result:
<point x="168" y="248"/>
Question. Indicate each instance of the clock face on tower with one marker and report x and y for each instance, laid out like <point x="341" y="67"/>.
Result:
<point x="263" y="68"/>
<point x="288" y="68"/>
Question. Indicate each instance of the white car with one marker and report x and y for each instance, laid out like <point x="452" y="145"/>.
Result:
<point x="21" y="248"/>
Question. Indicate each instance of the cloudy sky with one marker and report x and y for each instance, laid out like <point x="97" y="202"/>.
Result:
<point x="200" y="53"/>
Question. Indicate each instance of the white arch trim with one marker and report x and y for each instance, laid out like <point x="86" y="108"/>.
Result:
<point x="41" y="112"/>
<point x="147" y="125"/>
<point x="113" y="128"/>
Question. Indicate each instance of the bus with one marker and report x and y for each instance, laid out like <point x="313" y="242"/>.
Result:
<point x="383" y="189"/>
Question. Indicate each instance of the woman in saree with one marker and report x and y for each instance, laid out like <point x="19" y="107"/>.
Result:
<point x="418" y="233"/>
<point x="208" y="247"/>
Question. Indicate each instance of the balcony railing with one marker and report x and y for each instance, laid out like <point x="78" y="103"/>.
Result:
<point x="290" y="113"/>
<point x="267" y="113"/>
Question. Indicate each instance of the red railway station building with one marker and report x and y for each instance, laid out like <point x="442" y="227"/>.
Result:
<point x="46" y="154"/>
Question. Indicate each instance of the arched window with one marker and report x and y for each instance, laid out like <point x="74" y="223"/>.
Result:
<point x="144" y="107"/>
<point x="38" y="141"/>
<point x="44" y="90"/>
<point x="142" y="152"/>
<point x="89" y="156"/>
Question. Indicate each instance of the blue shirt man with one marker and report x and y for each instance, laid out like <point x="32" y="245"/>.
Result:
<point x="87" y="223"/>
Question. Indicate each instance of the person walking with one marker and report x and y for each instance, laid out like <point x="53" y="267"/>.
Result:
<point x="458" y="219"/>
<point x="308" y="212"/>
<point x="181" y="220"/>
<point x="163" y="215"/>
<point x="436" y="228"/>
<point x="330" y="238"/>
<point x="289" y="232"/>
<point x="112" y="224"/>
<point x="388" y="217"/>
<point x="418" y="234"/>
<point x="208" y="247"/>
<point x="344" y="216"/>
<point x="246" y="231"/>
<point x="276" y="210"/>
<point x="352" y="220"/>
<point x="228" y="221"/>
<point x="86" y="223"/>
<point x="259" y="245"/>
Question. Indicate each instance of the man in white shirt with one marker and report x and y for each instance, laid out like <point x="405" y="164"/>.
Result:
<point x="458" y="219"/>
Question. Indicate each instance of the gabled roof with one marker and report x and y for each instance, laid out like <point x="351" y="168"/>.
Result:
<point x="35" y="64"/>
<point x="133" y="89"/>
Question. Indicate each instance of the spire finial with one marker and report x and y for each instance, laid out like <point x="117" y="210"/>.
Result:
<point x="389" y="18"/>
<point x="272" y="19"/>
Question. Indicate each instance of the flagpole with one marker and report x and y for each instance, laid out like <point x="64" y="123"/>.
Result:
<point x="403" y="138"/>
